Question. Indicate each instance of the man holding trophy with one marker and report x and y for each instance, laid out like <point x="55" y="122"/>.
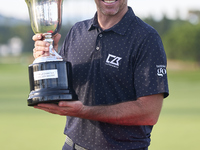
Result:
<point x="115" y="58"/>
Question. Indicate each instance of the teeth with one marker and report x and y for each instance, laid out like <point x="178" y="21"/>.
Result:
<point x="106" y="1"/>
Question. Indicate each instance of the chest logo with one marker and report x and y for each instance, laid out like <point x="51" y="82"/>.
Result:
<point x="113" y="61"/>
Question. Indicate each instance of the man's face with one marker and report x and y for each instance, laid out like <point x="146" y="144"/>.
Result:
<point x="111" y="7"/>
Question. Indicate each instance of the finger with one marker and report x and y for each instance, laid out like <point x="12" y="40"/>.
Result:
<point x="48" y="105"/>
<point x="51" y="108"/>
<point x="42" y="44"/>
<point x="45" y="53"/>
<point x="47" y="110"/>
<point x="73" y="106"/>
<point x="64" y="104"/>
<point x="37" y="37"/>
<point x="34" y="52"/>
<point x="39" y="54"/>
<point x="40" y="48"/>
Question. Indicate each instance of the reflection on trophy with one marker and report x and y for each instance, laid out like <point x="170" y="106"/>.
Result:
<point x="50" y="77"/>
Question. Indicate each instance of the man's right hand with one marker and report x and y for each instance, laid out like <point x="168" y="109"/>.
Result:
<point x="42" y="47"/>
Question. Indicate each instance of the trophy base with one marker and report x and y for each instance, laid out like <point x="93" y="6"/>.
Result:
<point x="50" y="96"/>
<point x="50" y="82"/>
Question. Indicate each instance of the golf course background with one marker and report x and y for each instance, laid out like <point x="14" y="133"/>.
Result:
<point x="25" y="128"/>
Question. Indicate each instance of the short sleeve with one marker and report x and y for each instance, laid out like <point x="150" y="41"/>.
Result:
<point x="150" y="76"/>
<point x="64" y="49"/>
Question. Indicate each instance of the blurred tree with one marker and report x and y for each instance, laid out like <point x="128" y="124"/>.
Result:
<point x="161" y="26"/>
<point x="182" y="42"/>
<point x="25" y="33"/>
<point x="5" y="33"/>
<point x="165" y="24"/>
<point x="180" y="37"/>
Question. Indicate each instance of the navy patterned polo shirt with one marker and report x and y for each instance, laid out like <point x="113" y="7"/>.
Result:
<point x="112" y="66"/>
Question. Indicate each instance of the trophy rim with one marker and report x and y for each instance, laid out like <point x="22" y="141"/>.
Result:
<point x="45" y="22"/>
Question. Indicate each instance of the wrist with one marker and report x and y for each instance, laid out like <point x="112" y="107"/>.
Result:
<point x="84" y="112"/>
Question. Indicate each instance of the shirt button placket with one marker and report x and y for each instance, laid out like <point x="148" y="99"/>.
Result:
<point x="97" y="47"/>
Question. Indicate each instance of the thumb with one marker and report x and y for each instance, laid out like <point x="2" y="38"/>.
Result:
<point x="63" y="103"/>
<point x="56" y="38"/>
<point x="70" y="104"/>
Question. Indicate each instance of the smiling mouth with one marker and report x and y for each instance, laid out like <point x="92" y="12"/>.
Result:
<point x="109" y="1"/>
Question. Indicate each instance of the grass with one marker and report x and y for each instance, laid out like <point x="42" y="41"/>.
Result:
<point x="178" y="124"/>
<point x="23" y="127"/>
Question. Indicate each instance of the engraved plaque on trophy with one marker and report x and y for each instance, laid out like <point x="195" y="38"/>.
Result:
<point x="50" y="77"/>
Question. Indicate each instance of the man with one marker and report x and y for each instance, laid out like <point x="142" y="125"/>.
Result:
<point x="119" y="75"/>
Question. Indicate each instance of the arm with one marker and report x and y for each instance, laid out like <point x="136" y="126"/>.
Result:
<point x="143" y="111"/>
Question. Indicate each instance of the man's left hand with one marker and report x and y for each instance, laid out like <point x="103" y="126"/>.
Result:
<point x="64" y="108"/>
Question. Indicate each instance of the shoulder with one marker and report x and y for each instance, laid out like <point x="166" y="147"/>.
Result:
<point x="141" y="29"/>
<point x="82" y="25"/>
<point x="137" y="25"/>
<point x="78" y="29"/>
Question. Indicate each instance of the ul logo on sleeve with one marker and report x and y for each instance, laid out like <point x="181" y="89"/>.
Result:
<point x="161" y="70"/>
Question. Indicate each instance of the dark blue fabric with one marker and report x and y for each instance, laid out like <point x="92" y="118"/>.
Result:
<point x="67" y="147"/>
<point x="112" y="66"/>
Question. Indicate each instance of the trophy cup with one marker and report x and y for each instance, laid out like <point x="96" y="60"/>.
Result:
<point x="50" y="77"/>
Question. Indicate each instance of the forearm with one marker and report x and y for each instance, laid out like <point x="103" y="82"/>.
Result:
<point x="114" y="114"/>
<point x="143" y="111"/>
<point x="127" y="113"/>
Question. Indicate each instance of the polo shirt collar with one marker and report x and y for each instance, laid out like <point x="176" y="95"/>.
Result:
<point x="119" y="28"/>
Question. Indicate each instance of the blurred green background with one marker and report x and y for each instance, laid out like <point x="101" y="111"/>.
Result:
<point x="25" y="128"/>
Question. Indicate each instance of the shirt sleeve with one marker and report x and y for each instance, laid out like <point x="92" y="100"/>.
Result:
<point x="65" y="45"/>
<point x="150" y="76"/>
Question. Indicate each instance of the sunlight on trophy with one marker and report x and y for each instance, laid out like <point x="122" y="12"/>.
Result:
<point x="50" y="77"/>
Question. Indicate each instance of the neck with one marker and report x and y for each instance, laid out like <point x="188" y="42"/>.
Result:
<point x="108" y="21"/>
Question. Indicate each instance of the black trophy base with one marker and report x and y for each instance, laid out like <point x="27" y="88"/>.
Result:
<point x="50" y="96"/>
<point x="50" y="82"/>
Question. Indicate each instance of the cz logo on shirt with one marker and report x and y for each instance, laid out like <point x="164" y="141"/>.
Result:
<point x="113" y="61"/>
<point x="161" y="70"/>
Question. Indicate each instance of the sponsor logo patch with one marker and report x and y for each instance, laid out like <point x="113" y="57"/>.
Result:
<point x="113" y="61"/>
<point x="161" y="70"/>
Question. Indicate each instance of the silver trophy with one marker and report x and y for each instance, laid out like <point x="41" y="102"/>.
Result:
<point x="50" y="77"/>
